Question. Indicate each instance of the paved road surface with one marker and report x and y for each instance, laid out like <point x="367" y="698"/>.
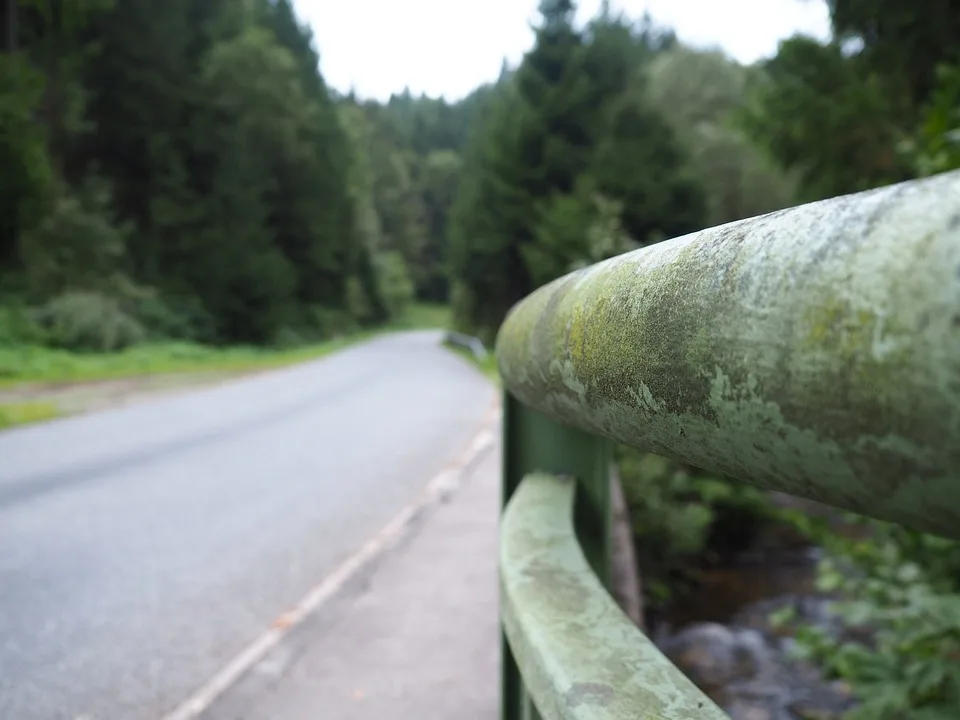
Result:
<point x="415" y="635"/>
<point x="141" y="548"/>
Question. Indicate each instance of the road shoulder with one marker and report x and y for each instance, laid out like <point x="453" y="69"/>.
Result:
<point x="413" y="635"/>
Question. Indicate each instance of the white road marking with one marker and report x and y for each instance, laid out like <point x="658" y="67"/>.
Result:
<point x="442" y="484"/>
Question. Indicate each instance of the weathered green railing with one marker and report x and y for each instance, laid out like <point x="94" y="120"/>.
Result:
<point x="814" y="351"/>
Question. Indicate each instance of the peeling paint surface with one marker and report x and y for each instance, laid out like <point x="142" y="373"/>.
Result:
<point x="814" y="351"/>
<point x="581" y="657"/>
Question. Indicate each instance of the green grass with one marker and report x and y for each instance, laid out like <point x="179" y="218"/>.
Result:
<point x="26" y="412"/>
<point x="32" y="364"/>
<point x="488" y="366"/>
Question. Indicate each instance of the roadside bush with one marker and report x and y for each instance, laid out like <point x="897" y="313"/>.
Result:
<point x="358" y="303"/>
<point x="77" y="246"/>
<point x="287" y="338"/>
<point x="899" y="601"/>
<point x="396" y="287"/>
<point x="17" y="328"/>
<point x="171" y="318"/>
<point x="314" y="325"/>
<point x="88" y="321"/>
<point x="682" y="516"/>
<point x="936" y="146"/>
<point x="330" y="323"/>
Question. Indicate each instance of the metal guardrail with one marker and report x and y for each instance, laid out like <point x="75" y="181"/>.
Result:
<point x="813" y="351"/>
<point x="466" y="342"/>
<point x="596" y="664"/>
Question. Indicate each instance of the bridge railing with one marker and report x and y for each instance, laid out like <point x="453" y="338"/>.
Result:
<point x="814" y="351"/>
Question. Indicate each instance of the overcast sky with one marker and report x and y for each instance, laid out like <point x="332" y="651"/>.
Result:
<point x="448" y="47"/>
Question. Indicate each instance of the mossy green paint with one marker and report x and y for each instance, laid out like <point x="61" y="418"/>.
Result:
<point x="582" y="658"/>
<point x="814" y="351"/>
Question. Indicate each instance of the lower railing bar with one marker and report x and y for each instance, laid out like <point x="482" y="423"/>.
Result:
<point x="580" y="657"/>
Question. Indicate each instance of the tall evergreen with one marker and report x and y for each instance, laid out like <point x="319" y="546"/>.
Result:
<point x="875" y="105"/>
<point x="569" y="143"/>
<point x="186" y="163"/>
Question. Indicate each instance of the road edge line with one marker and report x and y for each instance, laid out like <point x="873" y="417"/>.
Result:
<point x="442" y="484"/>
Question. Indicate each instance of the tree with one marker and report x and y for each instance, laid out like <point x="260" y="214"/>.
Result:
<point x="311" y="217"/>
<point x="393" y="186"/>
<point x="903" y="41"/>
<point x="640" y="163"/>
<point x="538" y="142"/>
<point x="822" y="114"/>
<point x="571" y="137"/>
<point x="849" y="115"/>
<point x="142" y="99"/>
<point x="439" y="181"/>
<point x="381" y="286"/>
<point x="257" y="110"/>
<point x="698" y="92"/>
<point x="486" y="269"/>
<point x="27" y="178"/>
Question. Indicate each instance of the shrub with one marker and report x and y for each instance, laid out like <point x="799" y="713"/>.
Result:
<point x="18" y="328"/>
<point x="173" y="318"/>
<point x="396" y="287"/>
<point x="76" y="246"/>
<point x="678" y="513"/>
<point x="936" y="147"/>
<point x="89" y="321"/>
<point x="358" y="303"/>
<point x="897" y="589"/>
<point x="329" y="323"/>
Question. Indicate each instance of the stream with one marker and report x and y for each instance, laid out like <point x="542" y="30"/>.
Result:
<point x="721" y="637"/>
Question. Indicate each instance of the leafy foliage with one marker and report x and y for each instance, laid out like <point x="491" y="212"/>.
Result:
<point x="700" y="93"/>
<point x="678" y="513"/>
<point x="27" y="178"/>
<point x="570" y="132"/>
<point x="76" y="246"/>
<point x="936" y="147"/>
<point x="898" y="593"/>
<point x="84" y="320"/>
<point x="877" y="104"/>
<point x="191" y="166"/>
<point x="821" y="114"/>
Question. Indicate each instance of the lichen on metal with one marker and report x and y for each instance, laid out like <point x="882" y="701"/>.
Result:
<point x="581" y="657"/>
<point x="815" y="351"/>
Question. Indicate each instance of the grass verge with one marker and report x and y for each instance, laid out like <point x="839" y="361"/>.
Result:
<point x="38" y="371"/>
<point x="32" y="364"/>
<point x="488" y="366"/>
<point x="23" y="413"/>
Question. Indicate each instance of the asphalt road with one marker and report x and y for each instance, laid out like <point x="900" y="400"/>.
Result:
<point x="141" y="548"/>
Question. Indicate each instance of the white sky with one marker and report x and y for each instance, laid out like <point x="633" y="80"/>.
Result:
<point x="449" y="47"/>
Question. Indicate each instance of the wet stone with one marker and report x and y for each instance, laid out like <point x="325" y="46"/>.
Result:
<point x="713" y="656"/>
<point x="828" y="702"/>
<point x="752" y="675"/>
<point x="748" y="712"/>
<point x="725" y="639"/>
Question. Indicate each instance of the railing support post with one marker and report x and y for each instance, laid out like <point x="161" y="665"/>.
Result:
<point x="534" y="443"/>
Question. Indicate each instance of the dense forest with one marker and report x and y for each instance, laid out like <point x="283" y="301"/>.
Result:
<point x="180" y="170"/>
<point x="192" y="176"/>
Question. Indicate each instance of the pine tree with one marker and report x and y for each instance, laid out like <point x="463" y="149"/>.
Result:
<point x="570" y="147"/>
<point x="311" y="214"/>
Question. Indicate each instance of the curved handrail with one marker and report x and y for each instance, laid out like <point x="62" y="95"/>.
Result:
<point x="815" y="351"/>
<point x="582" y="658"/>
